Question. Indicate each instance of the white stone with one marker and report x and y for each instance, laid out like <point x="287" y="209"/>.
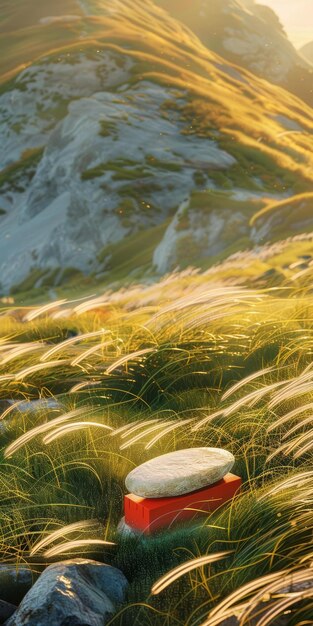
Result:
<point x="179" y="472"/>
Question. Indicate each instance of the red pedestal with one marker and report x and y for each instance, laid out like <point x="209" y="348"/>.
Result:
<point x="151" y="514"/>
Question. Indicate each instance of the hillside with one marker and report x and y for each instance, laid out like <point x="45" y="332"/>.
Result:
<point x="247" y="33"/>
<point x="29" y="28"/>
<point x="307" y="51"/>
<point x="139" y="141"/>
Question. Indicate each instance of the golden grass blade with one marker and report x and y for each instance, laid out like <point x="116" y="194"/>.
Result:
<point x="166" y="431"/>
<point x="18" y="352"/>
<point x="234" y="612"/>
<point x="43" y="309"/>
<point x="204" y="297"/>
<point x="304" y="449"/>
<point x="83" y="385"/>
<point x="295" y="443"/>
<point x="89" y="352"/>
<point x="285" y="418"/>
<point x="128" y="427"/>
<point x="245" y="381"/>
<point x="38" y="368"/>
<point x="291" y="393"/>
<point x="69" y="428"/>
<point x="7" y="377"/>
<point x="288" y="581"/>
<point x="143" y="434"/>
<point x="64" y="548"/>
<point x="61" y="532"/>
<point x="91" y="304"/>
<point x="128" y="357"/>
<point x="185" y="568"/>
<point x="11" y="408"/>
<point x="207" y="420"/>
<point x="301" y="424"/>
<point x="252" y="398"/>
<point x="239" y="594"/>
<point x="71" y="341"/>
<point x="280" y="607"/>
<point x="305" y="377"/>
<point x="132" y="429"/>
<point x="62" y="314"/>
<point x="277" y="451"/>
<point x="289" y="483"/>
<point x="5" y="345"/>
<point x="39" y="430"/>
<point x="307" y="557"/>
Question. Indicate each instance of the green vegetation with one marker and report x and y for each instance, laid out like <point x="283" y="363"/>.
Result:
<point x="201" y="343"/>
<point x="163" y="165"/>
<point x="108" y="129"/>
<point x="135" y="252"/>
<point x="122" y="170"/>
<point x="14" y="174"/>
<point x="292" y="211"/>
<point x="209" y="199"/>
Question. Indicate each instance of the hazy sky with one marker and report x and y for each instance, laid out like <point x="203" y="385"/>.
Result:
<point x="296" y="16"/>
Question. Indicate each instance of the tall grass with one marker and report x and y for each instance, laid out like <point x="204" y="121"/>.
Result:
<point x="152" y="369"/>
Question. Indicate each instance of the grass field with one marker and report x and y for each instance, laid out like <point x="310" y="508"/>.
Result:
<point x="185" y="362"/>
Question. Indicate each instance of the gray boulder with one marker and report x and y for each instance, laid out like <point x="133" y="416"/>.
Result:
<point x="126" y="531"/>
<point x="79" y="592"/>
<point x="6" y="610"/>
<point x="15" y="581"/>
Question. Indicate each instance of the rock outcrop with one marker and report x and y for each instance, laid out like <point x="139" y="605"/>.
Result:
<point x="6" y="610"/>
<point x="15" y="582"/>
<point x="72" y="593"/>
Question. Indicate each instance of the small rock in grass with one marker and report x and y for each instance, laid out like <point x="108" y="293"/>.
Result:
<point x="36" y="405"/>
<point x="79" y="592"/>
<point x="180" y="472"/>
<point x="124" y="530"/>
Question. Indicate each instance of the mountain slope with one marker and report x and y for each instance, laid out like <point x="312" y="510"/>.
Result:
<point x="29" y="28"/>
<point x="307" y="51"/>
<point x="142" y="131"/>
<point x="249" y="34"/>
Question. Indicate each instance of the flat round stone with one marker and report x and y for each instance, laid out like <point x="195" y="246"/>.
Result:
<point x="180" y="472"/>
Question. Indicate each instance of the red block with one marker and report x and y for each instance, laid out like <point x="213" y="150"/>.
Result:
<point x="151" y="514"/>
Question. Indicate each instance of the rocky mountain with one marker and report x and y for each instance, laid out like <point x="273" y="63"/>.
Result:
<point x="139" y="149"/>
<point x="247" y="33"/>
<point x="307" y="51"/>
